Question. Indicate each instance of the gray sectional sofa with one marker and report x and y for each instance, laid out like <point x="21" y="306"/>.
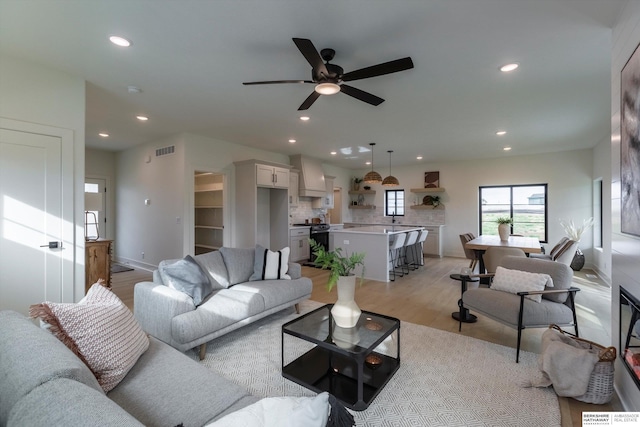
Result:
<point x="42" y="383"/>
<point x="172" y="317"/>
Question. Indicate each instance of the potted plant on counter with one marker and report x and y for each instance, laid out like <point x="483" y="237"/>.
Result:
<point x="345" y="311"/>
<point x="504" y="227"/>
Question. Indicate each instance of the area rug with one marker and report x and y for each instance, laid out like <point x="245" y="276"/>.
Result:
<point x="119" y="268"/>
<point x="444" y="379"/>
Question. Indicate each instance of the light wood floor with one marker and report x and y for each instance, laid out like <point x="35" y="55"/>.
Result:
<point x="428" y="297"/>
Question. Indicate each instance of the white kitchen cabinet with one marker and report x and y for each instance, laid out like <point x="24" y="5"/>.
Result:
<point x="261" y="211"/>
<point x="272" y="176"/>
<point x="294" y="197"/>
<point x="325" y="202"/>
<point x="299" y="244"/>
<point x="433" y="245"/>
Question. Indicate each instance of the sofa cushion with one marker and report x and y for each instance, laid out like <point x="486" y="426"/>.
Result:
<point x="213" y="263"/>
<point x="239" y="263"/>
<point x="187" y="276"/>
<point x="30" y="356"/>
<point x="101" y="331"/>
<point x="281" y="412"/>
<point x="277" y="292"/>
<point x="270" y="264"/>
<point x="225" y="307"/>
<point x="68" y="403"/>
<point x="515" y="281"/>
<point x="504" y="307"/>
<point x="167" y="388"/>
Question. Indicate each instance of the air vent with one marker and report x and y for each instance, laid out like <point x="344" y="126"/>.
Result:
<point x="165" y="151"/>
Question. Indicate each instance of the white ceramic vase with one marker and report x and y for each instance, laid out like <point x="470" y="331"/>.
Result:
<point x="345" y="311"/>
<point x="504" y="230"/>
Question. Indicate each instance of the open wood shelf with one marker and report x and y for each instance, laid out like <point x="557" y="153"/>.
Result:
<point x="440" y="206"/>
<point x="362" y="191"/>
<point x="427" y="190"/>
<point x="361" y="207"/>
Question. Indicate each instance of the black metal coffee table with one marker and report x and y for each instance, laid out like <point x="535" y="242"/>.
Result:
<point x="349" y="363"/>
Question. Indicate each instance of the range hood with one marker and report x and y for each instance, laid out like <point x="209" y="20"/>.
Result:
<point x="311" y="182"/>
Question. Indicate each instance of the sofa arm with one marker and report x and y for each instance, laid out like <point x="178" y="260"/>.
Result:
<point x="295" y="270"/>
<point x="155" y="306"/>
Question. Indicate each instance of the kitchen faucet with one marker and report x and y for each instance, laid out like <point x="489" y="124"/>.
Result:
<point x="393" y="218"/>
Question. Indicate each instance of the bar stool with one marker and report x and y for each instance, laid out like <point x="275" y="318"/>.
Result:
<point x="419" y="246"/>
<point x="412" y="238"/>
<point x="395" y="245"/>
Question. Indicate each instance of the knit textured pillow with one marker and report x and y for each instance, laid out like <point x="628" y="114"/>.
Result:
<point x="515" y="281"/>
<point x="100" y="330"/>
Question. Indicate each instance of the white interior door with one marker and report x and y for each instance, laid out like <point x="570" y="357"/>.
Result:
<point x="30" y="217"/>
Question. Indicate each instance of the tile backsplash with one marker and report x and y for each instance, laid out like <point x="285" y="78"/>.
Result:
<point x="412" y="216"/>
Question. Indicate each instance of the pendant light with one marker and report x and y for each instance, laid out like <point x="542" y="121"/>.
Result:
<point x="372" y="177"/>
<point x="390" y="181"/>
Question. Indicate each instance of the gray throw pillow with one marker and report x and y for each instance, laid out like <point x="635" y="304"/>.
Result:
<point x="239" y="262"/>
<point x="270" y="265"/>
<point x="187" y="276"/>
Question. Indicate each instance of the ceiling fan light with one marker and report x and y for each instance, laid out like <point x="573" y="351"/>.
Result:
<point x="327" y="88"/>
<point x="372" y="177"/>
<point x="390" y="181"/>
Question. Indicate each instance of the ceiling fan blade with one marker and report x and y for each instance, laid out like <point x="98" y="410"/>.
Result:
<point x="361" y="95"/>
<point x="312" y="56"/>
<point x="379" y="70"/>
<point x="275" y="82"/>
<point x="309" y="101"/>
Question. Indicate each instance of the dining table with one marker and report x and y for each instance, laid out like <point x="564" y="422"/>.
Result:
<point x="530" y="245"/>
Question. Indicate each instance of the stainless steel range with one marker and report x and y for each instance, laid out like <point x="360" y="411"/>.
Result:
<point x="319" y="233"/>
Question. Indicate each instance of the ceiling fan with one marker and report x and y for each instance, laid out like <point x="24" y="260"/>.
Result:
<point x="329" y="78"/>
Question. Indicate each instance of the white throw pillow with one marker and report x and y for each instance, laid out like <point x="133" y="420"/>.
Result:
<point x="280" y="412"/>
<point x="515" y="281"/>
<point x="270" y="265"/>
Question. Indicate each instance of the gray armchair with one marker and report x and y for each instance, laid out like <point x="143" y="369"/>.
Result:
<point x="514" y="310"/>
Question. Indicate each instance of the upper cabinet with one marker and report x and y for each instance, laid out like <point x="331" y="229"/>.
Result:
<point x="294" y="198"/>
<point x="272" y="176"/>
<point x="326" y="201"/>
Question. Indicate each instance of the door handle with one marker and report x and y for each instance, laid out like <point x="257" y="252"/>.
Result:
<point x="52" y="245"/>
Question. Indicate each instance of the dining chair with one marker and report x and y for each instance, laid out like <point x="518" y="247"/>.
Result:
<point x="395" y="245"/>
<point x="494" y="254"/>
<point x="469" y="253"/>
<point x="513" y="306"/>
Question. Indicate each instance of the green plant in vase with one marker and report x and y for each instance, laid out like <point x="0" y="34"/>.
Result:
<point x="345" y="312"/>
<point x="504" y="226"/>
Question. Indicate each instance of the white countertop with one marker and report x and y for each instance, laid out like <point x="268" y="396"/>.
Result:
<point x="380" y="229"/>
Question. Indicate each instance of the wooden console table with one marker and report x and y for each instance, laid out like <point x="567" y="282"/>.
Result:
<point x="97" y="262"/>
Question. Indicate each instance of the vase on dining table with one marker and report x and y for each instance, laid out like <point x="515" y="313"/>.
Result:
<point x="504" y="230"/>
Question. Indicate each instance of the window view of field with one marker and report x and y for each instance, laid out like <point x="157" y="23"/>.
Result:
<point x="525" y="204"/>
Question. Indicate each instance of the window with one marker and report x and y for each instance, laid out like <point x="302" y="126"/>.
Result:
<point x="526" y="204"/>
<point x="394" y="202"/>
<point x="597" y="213"/>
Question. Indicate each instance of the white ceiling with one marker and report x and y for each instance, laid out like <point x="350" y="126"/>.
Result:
<point x="190" y="58"/>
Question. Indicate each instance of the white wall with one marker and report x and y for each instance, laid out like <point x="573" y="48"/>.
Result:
<point x="625" y="249"/>
<point x="569" y="191"/>
<point x="32" y="93"/>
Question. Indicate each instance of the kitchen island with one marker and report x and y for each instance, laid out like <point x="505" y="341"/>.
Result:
<point x="374" y="242"/>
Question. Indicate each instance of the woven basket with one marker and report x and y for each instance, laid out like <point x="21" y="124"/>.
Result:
<point x="600" y="388"/>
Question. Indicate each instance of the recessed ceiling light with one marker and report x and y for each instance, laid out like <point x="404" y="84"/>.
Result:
<point x="419" y="158"/>
<point x="501" y="132"/>
<point x="333" y="153"/>
<point x="507" y="148"/>
<point x="134" y="89"/>
<point x="367" y="163"/>
<point x="304" y="118"/>
<point x="509" y="67"/>
<point x="119" y="41"/>
<point x="292" y="141"/>
<point x="142" y="118"/>
<point x="104" y="135"/>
